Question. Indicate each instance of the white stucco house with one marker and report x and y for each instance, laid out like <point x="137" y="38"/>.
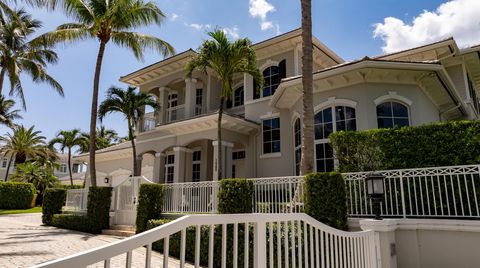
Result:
<point x="432" y="83"/>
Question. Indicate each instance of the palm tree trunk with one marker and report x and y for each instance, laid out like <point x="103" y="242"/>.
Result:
<point x="134" y="149"/>
<point x="219" y="138"/>
<point x="93" y="115"/>
<point x="70" y="165"/>
<point x="307" y="81"/>
<point x="2" y="77"/>
<point x="8" y="167"/>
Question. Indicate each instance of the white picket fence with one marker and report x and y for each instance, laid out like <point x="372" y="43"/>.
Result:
<point x="76" y="200"/>
<point x="442" y="192"/>
<point x="258" y="240"/>
<point x="197" y="197"/>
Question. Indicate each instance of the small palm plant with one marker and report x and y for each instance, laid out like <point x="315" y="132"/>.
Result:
<point x="22" y="144"/>
<point x="225" y="58"/>
<point x="7" y="115"/>
<point x="105" y="21"/>
<point x="130" y="103"/>
<point x="20" y="54"/>
<point x="68" y="139"/>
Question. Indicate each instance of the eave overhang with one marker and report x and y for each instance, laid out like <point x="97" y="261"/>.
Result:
<point x="434" y="51"/>
<point x="432" y="78"/>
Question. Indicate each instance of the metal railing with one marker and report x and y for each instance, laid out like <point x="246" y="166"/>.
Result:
<point x="245" y="240"/>
<point x="176" y="113"/>
<point x="441" y="192"/>
<point x="76" y="200"/>
<point x="197" y="197"/>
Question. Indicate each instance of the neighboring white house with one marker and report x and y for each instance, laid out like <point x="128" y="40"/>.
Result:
<point x="262" y="129"/>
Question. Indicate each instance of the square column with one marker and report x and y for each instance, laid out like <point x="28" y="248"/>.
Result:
<point x="159" y="168"/>
<point x="190" y="91"/>
<point x="248" y="87"/>
<point x="162" y="103"/>
<point x="139" y="160"/>
<point x="180" y="160"/>
<point x="226" y="162"/>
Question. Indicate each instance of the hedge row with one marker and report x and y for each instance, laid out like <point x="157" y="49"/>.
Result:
<point x="235" y="196"/>
<point x="150" y="202"/>
<point x="16" y="195"/>
<point x="52" y="203"/>
<point x="440" y="144"/>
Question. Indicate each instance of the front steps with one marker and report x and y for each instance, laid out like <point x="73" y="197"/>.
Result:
<point x="120" y="230"/>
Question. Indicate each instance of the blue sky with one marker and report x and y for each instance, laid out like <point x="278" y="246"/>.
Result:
<point x="347" y="27"/>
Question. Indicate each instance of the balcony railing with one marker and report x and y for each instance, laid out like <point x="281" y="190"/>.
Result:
<point x="176" y="113"/>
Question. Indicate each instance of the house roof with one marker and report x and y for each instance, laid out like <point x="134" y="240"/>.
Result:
<point x="124" y="146"/>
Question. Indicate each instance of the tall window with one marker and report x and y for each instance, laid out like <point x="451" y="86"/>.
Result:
<point x="172" y="106"/>
<point x="327" y="121"/>
<point x="169" y="168"/>
<point x="273" y="76"/>
<point x="196" y="164"/>
<point x="271" y="135"/>
<point x="63" y="168"/>
<point x="4" y="162"/>
<point x="392" y="114"/>
<point x="297" y="130"/>
<point x="237" y="98"/>
<point x="198" y="101"/>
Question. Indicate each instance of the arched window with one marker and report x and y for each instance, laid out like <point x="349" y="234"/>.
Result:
<point x="273" y="76"/>
<point x="327" y="121"/>
<point x="297" y="133"/>
<point x="391" y="114"/>
<point x="237" y="98"/>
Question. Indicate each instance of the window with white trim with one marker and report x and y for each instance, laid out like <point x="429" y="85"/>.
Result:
<point x="237" y="99"/>
<point x="272" y="76"/>
<point x="392" y="114"/>
<point x="63" y="168"/>
<point x="327" y="121"/>
<point x="196" y="165"/>
<point x="297" y="133"/>
<point x="271" y="135"/>
<point x="172" y="106"/>
<point x="4" y="162"/>
<point x="198" y="101"/>
<point x="169" y="168"/>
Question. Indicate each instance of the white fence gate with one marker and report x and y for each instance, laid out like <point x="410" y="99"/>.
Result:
<point x="76" y="200"/>
<point x="125" y="200"/>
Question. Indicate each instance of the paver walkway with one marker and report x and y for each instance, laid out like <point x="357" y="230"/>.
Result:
<point x="25" y="242"/>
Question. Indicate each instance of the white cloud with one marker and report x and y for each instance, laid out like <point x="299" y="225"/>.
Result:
<point x="233" y="32"/>
<point x="174" y="17"/>
<point x="457" y="18"/>
<point x="198" y="26"/>
<point x="260" y="9"/>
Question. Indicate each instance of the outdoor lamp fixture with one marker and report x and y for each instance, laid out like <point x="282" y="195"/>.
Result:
<point x="106" y="180"/>
<point x="375" y="191"/>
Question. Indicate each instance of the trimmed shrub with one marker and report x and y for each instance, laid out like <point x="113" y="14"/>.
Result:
<point x="76" y="222"/>
<point x="150" y="202"/>
<point x="98" y="207"/>
<point x="235" y="196"/>
<point x="174" y="243"/>
<point x="440" y="144"/>
<point x="325" y="199"/>
<point x="16" y="195"/>
<point x="52" y="203"/>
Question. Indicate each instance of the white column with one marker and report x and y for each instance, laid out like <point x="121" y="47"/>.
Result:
<point x="296" y="59"/>
<point x="190" y="90"/>
<point x="162" y="102"/>
<point x="159" y="168"/>
<point x="139" y="160"/>
<point x="180" y="159"/>
<point x="247" y="87"/>
<point x="226" y="162"/>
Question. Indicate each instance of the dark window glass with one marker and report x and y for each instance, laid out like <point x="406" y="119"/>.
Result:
<point x="392" y="114"/>
<point x="271" y="135"/>
<point x="272" y="80"/>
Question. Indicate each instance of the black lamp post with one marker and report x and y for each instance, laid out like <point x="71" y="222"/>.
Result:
<point x="106" y="180"/>
<point x="375" y="191"/>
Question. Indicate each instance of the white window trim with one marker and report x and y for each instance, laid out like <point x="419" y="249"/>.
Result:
<point x="271" y="155"/>
<point x="333" y="101"/>
<point x="392" y="95"/>
<point x="166" y="166"/>
<point x="268" y="116"/>
<point x="397" y="101"/>
<point x="268" y="63"/>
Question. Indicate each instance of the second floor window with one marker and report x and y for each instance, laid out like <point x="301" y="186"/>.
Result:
<point x="237" y="98"/>
<point x="392" y="114"/>
<point x="271" y="135"/>
<point x="198" y="101"/>
<point x="4" y="162"/>
<point x="273" y="76"/>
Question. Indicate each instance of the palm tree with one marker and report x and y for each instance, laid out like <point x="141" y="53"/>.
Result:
<point x="19" y="54"/>
<point x="225" y="58"/>
<point x="22" y="144"/>
<point x="130" y="103"/>
<point x="7" y="115"/>
<point x="104" y="138"/>
<point x="67" y="139"/>
<point x="109" y="20"/>
<point x="307" y="162"/>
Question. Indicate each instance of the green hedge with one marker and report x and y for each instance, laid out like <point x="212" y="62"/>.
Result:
<point x="150" y="202"/>
<point x="440" y="144"/>
<point x="174" y="244"/>
<point x="76" y="222"/>
<point x="325" y="199"/>
<point x="98" y="207"/>
<point x="235" y="196"/>
<point x="53" y="201"/>
<point x="16" y="195"/>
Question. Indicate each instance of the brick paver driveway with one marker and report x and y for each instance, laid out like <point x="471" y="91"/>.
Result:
<point x="25" y="242"/>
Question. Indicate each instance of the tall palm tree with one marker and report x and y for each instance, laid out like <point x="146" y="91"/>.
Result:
<point x="21" y="144"/>
<point x="7" y="115"/>
<point x="67" y="139"/>
<point x="104" y="138"/>
<point x="109" y="20"/>
<point x="225" y="58"/>
<point x="129" y="103"/>
<point x="20" y="54"/>
<point x="308" y="143"/>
